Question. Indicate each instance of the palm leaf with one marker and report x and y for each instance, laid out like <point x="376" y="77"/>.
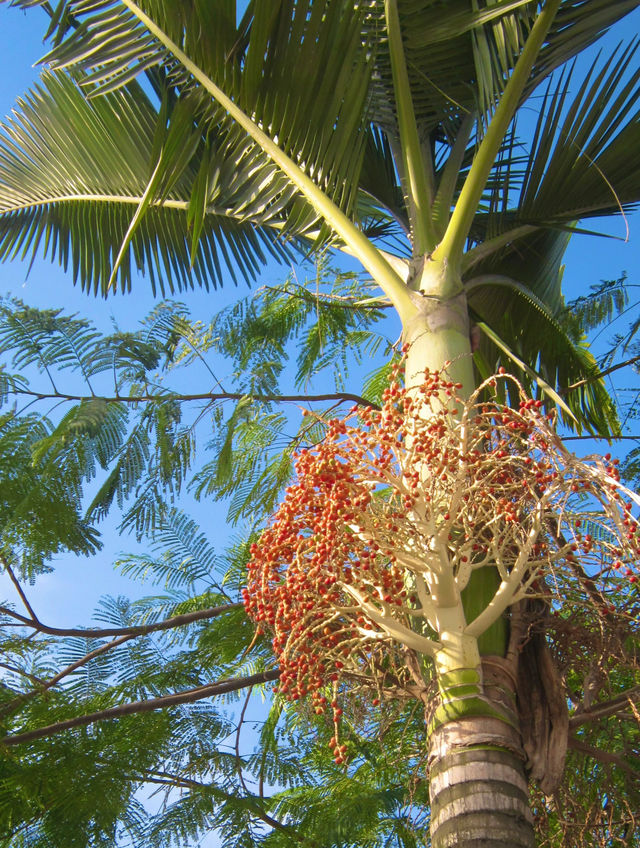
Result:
<point x="316" y="113"/>
<point x="542" y="351"/>
<point x="70" y="169"/>
<point x="585" y="159"/>
<point x="459" y="55"/>
<point x="583" y="162"/>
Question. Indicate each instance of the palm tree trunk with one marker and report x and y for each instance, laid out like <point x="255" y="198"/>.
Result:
<point x="477" y="782"/>
<point x="478" y="787"/>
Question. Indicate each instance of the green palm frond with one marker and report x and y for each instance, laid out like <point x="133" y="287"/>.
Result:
<point x="59" y="188"/>
<point x="316" y="113"/>
<point x="535" y="259"/>
<point x="584" y="159"/>
<point x="553" y="359"/>
<point x="459" y="55"/>
<point x="333" y="65"/>
<point x="583" y="162"/>
<point x="379" y="178"/>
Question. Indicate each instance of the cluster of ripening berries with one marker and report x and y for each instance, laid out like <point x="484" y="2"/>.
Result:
<point x="427" y="467"/>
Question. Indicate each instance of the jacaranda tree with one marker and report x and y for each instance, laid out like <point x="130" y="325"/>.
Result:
<point x="430" y="544"/>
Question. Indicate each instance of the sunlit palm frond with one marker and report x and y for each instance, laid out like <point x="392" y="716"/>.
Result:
<point x="537" y="346"/>
<point x="74" y="173"/>
<point x="301" y="75"/>
<point x="585" y="157"/>
<point x="460" y="54"/>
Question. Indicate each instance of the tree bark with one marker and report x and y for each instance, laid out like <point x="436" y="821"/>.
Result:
<point x="478" y="787"/>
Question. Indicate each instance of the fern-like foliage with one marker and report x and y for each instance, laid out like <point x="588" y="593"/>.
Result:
<point x="120" y="434"/>
<point x="598" y="308"/>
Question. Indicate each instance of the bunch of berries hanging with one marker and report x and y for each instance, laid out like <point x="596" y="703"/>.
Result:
<point x="394" y="503"/>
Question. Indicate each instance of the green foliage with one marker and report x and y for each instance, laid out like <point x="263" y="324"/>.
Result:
<point x="598" y="308"/>
<point x="538" y="336"/>
<point x="125" y="438"/>
<point x="125" y="427"/>
<point x="331" y="323"/>
<point x="40" y="505"/>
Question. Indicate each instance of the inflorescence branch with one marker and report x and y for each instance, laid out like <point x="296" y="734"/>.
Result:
<point x="377" y="537"/>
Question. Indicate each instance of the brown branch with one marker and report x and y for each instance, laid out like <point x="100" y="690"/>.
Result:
<point x="188" y="696"/>
<point x="343" y="301"/>
<point x="141" y="630"/>
<point x="598" y="599"/>
<point x="47" y="684"/>
<point x="123" y="635"/>
<point x="238" y="732"/>
<point x="604" y="708"/>
<point x="603" y="756"/>
<point x="167" y="779"/>
<point x="601" y="374"/>
<point x="339" y="397"/>
<point x="19" y="589"/>
<point x="593" y="437"/>
<point x="21" y="671"/>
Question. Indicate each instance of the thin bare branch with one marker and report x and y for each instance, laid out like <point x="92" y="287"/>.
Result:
<point x="19" y="589"/>
<point x="188" y="696"/>
<point x="43" y="685"/>
<point x="604" y="708"/>
<point x="593" y="437"/>
<point x="602" y="374"/>
<point x="338" y="397"/>
<point x="140" y="630"/>
<point x="237" y="746"/>
<point x="167" y="779"/>
<point x="16" y="670"/>
<point x="602" y="756"/>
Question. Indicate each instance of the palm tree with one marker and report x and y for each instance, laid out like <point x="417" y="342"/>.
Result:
<point x="179" y="140"/>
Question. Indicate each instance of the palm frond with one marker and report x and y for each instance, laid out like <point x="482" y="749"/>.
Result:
<point x="112" y="45"/>
<point x="553" y="358"/>
<point x="59" y="188"/>
<point x="584" y="159"/>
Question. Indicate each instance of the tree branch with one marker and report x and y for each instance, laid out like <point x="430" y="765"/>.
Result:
<point x="339" y="397"/>
<point x="141" y="630"/>
<point x="609" y="439"/>
<point x="603" y="756"/>
<point x="16" y="670"/>
<point x="188" y="696"/>
<point x="603" y="709"/>
<point x="43" y="685"/>
<point x="19" y="589"/>
<point x="238" y="732"/>
<point x="167" y="779"/>
<point x="602" y="374"/>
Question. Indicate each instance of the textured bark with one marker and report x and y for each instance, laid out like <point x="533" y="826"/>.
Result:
<point x="543" y="712"/>
<point x="478" y="786"/>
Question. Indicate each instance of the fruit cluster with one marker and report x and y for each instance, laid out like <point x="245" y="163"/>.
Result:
<point x="396" y="502"/>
